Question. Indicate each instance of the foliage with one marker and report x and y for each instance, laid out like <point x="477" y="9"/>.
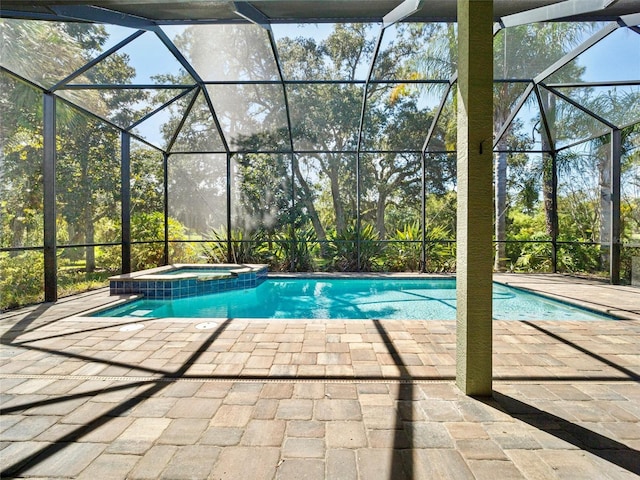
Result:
<point x="21" y="193"/>
<point x="404" y="252"/>
<point x="150" y="226"/>
<point x="440" y="252"/>
<point x="246" y="247"/>
<point x="145" y="227"/>
<point x="579" y="258"/>
<point x="264" y="192"/>
<point x="344" y="246"/>
<point x="147" y="182"/>
<point x="74" y="278"/>
<point x="295" y="250"/>
<point x="534" y="255"/>
<point x="197" y="188"/>
<point x="626" y="259"/>
<point x="22" y="279"/>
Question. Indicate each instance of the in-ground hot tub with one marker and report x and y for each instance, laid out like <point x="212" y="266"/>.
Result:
<point x="179" y="281"/>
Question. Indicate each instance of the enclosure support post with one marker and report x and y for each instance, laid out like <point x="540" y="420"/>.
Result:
<point x="475" y="197"/>
<point x="49" y="180"/>
<point x="423" y="215"/>
<point x="554" y="211"/>
<point x="292" y="217"/>
<point x="125" y="193"/>
<point x="165" y="181"/>
<point x="614" y="235"/>
<point x="229" y="249"/>
<point x="358" y="218"/>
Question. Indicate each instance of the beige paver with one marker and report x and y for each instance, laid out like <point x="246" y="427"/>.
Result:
<point x="191" y="461"/>
<point x="153" y="462"/>
<point x="264" y="433"/>
<point x="303" y="448"/>
<point x="109" y="467"/>
<point x="241" y="463"/>
<point x="302" y="469"/>
<point x="346" y="435"/>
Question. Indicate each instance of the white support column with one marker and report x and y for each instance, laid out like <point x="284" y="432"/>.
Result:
<point x="475" y="197"/>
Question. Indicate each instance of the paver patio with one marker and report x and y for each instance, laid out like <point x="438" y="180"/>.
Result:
<point x="86" y="398"/>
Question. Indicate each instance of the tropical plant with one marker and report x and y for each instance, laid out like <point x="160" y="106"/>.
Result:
<point x="242" y="247"/>
<point x="295" y="250"/>
<point x="404" y="250"/>
<point x="440" y="251"/>
<point x="147" y="249"/>
<point x="534" y="255"/>
<point x="350" y="252"/>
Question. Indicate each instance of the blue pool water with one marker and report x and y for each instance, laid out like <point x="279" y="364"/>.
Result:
<point x="304" y="298"/>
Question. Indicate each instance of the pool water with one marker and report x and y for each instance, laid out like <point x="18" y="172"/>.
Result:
<point x="305" y="298"/>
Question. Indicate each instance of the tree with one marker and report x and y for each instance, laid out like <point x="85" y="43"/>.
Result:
<point x="88" y="150"/>
<point x="88" y="169"/>
<point x="324" y="118"/>
<point x="329" y="116"/>
<point x="21" y="172"/>
<point x="610" y="105"/>
<point x="523" y="52"/>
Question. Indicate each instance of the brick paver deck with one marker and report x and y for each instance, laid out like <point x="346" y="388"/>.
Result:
<point x="97" y="398"/>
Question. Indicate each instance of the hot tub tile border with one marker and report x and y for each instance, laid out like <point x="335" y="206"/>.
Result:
<point x="169" y="288"/>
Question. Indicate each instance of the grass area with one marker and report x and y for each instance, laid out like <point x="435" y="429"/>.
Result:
<point x="75" y="281"/>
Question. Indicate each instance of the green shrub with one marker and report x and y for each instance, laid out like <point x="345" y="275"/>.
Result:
<point x="148" y="226"/>
<point x="245" y="247"/>
<point x="579" y="258"/>
<point x="150" y="255"/>
<point x="441" y="257"/>
<point x="21" y="279"/>
<point x="404" y="251"/>
<point x="626" y="256"/>
<point x="533" y="256"/>
<point x="440" y="252"/>
<point x="296" y="252"/>
<point x="343" y="250"/>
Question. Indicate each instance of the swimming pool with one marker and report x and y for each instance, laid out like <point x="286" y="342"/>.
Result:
<point x="332" y="298"/>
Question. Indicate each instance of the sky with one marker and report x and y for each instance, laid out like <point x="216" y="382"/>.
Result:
<point x="617" y="57"/>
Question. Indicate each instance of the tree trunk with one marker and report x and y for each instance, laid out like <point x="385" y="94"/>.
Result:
<point x="87" y="215"/>
<point x="501" y="212"/>
<point x="334" y="174"/>
<point x="551" y="216"/>
<point x="17" y="228"/>
<point x="89" y="239"/>
<point x="305" y="198"/>
<point x="380" y="210"/>
<point x="548" y="187"/>
<point x="604" y="181"/>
